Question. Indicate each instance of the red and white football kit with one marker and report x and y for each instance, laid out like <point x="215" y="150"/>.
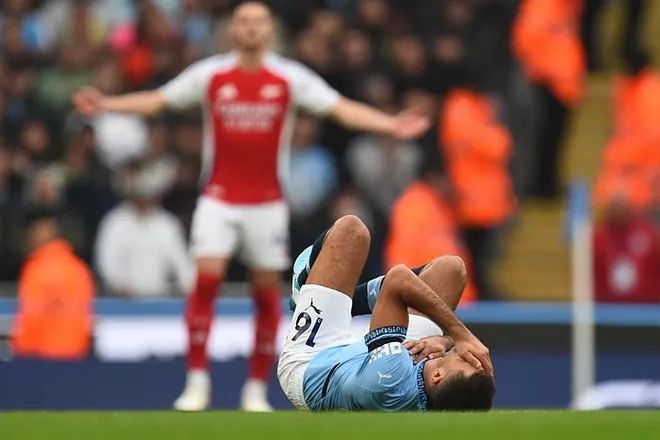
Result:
<point x="248" y="117"/>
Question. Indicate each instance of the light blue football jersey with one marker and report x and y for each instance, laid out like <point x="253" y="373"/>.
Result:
<point x="350" y="377"/>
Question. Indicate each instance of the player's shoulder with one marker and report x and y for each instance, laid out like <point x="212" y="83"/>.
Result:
<point x="220" y="61"/>
<point x="291" y="69"/>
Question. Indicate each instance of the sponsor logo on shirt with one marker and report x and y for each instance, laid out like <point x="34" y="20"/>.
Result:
<point x="271" y="91"/>
<point x="227" y="92"/>
<point x="385" y="350"/>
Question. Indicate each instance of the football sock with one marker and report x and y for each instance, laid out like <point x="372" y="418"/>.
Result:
<point x="361" y="304"/>
<point x="267" y="319"/>
<point x="199" y="315"/>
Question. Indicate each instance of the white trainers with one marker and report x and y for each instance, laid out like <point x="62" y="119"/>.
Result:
<point x="254" y="396"/>
<point x="196" y="395"/>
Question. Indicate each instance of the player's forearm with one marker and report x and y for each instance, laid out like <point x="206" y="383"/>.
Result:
<point x="140" y="103"/>
<point x="415" y="294"/>
<point x="357" y="116"/>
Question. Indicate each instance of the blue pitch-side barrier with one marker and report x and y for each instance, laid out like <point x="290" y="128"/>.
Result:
<point x="646" y="315"/>
<point x="527" y="376"/>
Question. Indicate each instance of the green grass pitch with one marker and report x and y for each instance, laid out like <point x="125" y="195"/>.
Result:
<point x="509" y="425"/>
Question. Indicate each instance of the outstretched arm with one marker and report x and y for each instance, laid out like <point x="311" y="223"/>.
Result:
<point x="357" y="116"/>
<point x="401" y="290"/>
<point x="90" y="101"/>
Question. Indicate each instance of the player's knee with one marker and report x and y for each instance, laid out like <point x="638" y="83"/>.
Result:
<point x="454" y="267"/>
<point x="353" y="228"/>
<point x="396" y="276"/>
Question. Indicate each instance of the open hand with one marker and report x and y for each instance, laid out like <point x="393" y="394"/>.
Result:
<point x="475" y="353"/>
<point x="432" y="347"/>
<point x="88" y="101"/>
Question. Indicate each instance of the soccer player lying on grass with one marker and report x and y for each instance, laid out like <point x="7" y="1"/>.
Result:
<point x="319" y="369"/>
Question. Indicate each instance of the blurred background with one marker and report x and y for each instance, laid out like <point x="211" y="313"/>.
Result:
<point x="542" y="169"/>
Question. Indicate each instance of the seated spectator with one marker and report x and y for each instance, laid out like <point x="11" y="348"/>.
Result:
<point x="56" y="290"/>
<point x="141" y="249"/>
<point x="626" y="256"/>
<point x="381" y="167"/>
<point x="423" y="226"/>
<point x="477" y="149"/>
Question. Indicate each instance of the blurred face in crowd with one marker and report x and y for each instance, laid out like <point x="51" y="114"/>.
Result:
<point x="374" y="13"/>
<point x="312" y="49"/>
<point x="356" y="50"/>
<point x="252" y="27"/>
<point x="45" y="191"/>
<point x="40" y="233"/>
<point x="410" y="55"/>
<point x="34" y="138"/>
<point x="617" y="211"/>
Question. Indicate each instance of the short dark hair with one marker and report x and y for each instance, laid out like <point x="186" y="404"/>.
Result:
<point x="460" y="393"/>
<point x="238" y="3"/>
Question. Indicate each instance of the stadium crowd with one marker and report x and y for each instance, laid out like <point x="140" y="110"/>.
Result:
<point x="499" y="79"/>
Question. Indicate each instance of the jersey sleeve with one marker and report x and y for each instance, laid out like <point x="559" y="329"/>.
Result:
<point x="386" y="375"/>
<point x="311" y="92"/>
<point x="186" y="90"/>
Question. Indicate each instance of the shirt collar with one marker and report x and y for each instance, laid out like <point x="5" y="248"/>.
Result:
<point x="421" y="389"/>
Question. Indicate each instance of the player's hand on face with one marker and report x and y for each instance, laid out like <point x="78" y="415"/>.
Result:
<point x="432" y="347"/>
<point x="410" y="125"/>
<point x="88" y="101"/>
<point x="470" y="349"/>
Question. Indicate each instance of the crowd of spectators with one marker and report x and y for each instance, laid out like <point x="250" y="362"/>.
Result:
<point x="389" y="53"/>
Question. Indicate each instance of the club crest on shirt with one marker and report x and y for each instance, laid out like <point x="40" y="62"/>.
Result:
<point x="271" y="91"/>
<point x="227" y="92"/>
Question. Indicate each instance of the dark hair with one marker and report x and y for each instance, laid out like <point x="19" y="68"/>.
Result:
<point x="460" y="393"/>
<point x="238" y="3"/>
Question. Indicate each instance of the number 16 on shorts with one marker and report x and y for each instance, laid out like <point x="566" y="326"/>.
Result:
<point x="303" y="322"/>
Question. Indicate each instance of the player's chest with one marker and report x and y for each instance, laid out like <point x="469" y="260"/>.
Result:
<point x="250" y="96"/>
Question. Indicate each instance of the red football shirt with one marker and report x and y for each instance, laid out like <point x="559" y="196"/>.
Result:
<point x="248" y="117"/>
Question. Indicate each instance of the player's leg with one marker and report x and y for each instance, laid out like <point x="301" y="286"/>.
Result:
<point x="446" y="275"/>
<point x="213" y="242"/>
<point x="322" y="316"/>
<point x="264" y="239"/>
<point x="342" y="256"/>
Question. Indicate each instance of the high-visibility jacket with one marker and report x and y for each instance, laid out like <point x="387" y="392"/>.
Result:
<point x="546" y="41"/>
<point x="636" y="105"/>
<point x="422" y="228"/>
<point x="477" y="149"/>
<point x="54" y="317"/>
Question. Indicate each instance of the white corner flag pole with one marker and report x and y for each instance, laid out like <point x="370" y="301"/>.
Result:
<point x="583" y="326"/>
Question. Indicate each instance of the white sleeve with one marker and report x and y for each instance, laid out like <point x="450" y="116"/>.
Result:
<point x="186" y="90"/>
<point x="311" y="92"/>
<point x="179" y="258"/>
<point x="108" y="254"/>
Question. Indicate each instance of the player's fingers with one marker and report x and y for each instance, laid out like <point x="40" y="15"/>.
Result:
<point x="418" y="348"/>
<point x="409" y="344"/>
<point x="486" y="362"/>
<point x="471" y="359"/>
